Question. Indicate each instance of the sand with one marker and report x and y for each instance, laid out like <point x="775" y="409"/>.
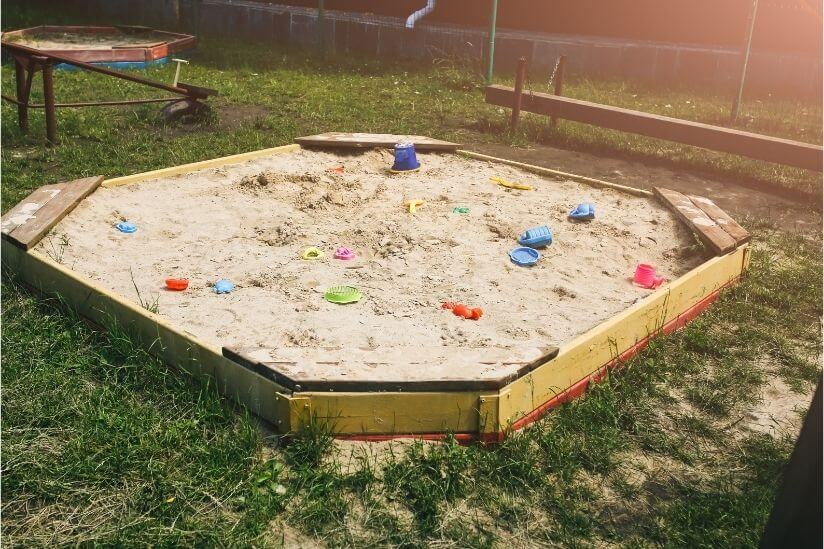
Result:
<point x="250" y="222"/>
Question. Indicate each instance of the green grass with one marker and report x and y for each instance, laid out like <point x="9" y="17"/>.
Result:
<point x="103" y="444"/>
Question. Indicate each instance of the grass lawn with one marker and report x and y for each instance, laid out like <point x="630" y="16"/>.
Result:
<point x="101" y="443"/>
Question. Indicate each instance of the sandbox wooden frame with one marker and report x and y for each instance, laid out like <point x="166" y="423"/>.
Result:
<point x="370" y="415"/>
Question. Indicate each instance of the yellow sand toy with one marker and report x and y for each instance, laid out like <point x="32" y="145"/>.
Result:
<point x="413" y="204"/>
<point x="510" y="185"/>
<point x="312" y="253"/>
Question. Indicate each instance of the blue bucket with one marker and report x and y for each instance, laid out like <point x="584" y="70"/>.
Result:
<point x="405" y="159"/>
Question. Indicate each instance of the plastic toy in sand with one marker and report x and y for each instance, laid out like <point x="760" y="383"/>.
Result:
<point x="312" y="253"/>
<point x="536" y="237"/>
<point x="413" y="204"/>
<point x="583" y="212"/>
<point x="405" y="159"/>
<point x="345" y="254"/>
<point x="126" y="227"/>
<point x="460" y="210"/>
<point x="223" y="286"/>
<point x="510" y="184"/>
<point x="525" y="257"/>
<point x="342" y="295"/>
<point x="177" y="284"/>
<point x="646" y="277"/>
<point x="459" y="309"/>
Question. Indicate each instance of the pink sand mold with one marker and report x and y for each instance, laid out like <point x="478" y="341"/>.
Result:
<point x="345" y="253"/>
<point x="646" y="277"/>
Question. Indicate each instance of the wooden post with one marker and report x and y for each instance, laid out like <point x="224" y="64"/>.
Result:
<point x="22" y="96"/>
<point x="48" y="100"/>
<point x="520" y="75"/>
<point x="559" y="86"/>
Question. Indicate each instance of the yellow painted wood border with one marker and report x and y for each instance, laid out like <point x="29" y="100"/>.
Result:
<point x="202" y="165"/>
<point x="396" y="413"/>
<point x="587" y="353"/>
<point x="557" y="173"/>
<point x="156" y="334"/>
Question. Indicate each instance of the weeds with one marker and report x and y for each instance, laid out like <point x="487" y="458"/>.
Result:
<point x="56" y="253"/>
<point x="151" y="306"/>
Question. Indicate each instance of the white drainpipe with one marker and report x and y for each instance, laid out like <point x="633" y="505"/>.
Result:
<point x="420" y="14"/>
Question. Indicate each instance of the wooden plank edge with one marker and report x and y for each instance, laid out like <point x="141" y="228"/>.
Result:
<point x="308" y="143"/>
<point x="390" y="413"/>
<point x="722" y="248"/>
<point x="266" y="369"/>
<point x="201" y="165"/>
<point x="9" y="218"/>
<point x="557" y="173"/>
<point x="77" y="190"/>
<point x="724" y="220"/>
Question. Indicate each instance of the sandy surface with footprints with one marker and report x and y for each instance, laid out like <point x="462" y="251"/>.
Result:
<point x="249" y="223"/>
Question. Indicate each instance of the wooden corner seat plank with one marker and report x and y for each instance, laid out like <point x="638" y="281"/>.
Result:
<point x="29" y="221"/>
<point x="393" y="369"/>
<point x="730" y="226"/>
<point x="372" y="140"/>
<point x="711" y="233"/>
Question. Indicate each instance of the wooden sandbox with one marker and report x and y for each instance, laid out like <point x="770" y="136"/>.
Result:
<point x="394" y="364"/>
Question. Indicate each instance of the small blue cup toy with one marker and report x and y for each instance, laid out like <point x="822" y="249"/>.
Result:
<point x="584" y="212"/>
<point x="536" y="237"/>
<point x="405" y="159"/>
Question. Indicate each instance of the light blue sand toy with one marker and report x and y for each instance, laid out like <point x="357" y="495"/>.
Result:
<point x="536" y="237"/>
<point x="583" y="212"/>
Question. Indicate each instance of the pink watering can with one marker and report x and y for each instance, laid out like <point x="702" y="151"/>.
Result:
<point x="646" y="277"/>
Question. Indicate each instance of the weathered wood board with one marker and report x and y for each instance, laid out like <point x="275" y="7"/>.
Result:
<point x="30" y="220"/>
<point x="708" y="230"/>
<point x="372" y="140"/>
<point x="732" y="228"/>
<point x="395" y="369"/>
<point x="717" y="138"/>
